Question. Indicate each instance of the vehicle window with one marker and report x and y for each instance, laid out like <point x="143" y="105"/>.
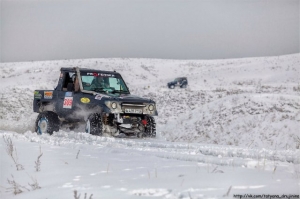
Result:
<point x="103" y="83"/>
<point x="116" y="84"/>
<point x="67" y="80"/>
<point x="113" y="82"/>
<point x="87" y="79"/>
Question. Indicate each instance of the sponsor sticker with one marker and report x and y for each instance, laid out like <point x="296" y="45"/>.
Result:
<point x="85" y="100"/>
<point x="101" y="74"/>
<point x="37" y="95"/>
<point x="98" y="97"/>
<point x="68" y="94"/>
<point x="48" y="94"/>
<point x="68" y="101"/>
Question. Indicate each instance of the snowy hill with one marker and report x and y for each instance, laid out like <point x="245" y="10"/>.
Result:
<point x="251" y="102"/>
<point x="233" y="133"/>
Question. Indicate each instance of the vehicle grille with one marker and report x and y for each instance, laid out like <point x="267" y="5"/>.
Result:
<point x="133" y="108"/>
<point x="133" y="105"/>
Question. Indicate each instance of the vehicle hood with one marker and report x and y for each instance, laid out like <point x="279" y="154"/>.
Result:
<point x="122" y="98"/>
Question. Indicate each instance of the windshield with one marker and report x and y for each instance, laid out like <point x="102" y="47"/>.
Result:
<point x="103" y="82"/>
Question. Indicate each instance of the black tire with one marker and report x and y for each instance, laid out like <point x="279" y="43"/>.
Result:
<point x="94" y="125"/>
<point x="47" y="122"/>
<point x="172" y="87"/>
<point x="150" y="130"/>
<point x="183" y="86"/>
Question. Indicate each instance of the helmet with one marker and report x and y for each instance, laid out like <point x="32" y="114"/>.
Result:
<point x="100" y="80"/>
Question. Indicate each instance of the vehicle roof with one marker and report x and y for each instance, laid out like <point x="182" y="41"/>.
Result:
<point x="87" y="70"/>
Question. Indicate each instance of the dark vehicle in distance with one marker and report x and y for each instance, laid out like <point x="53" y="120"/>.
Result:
<point x="100" y="99"/>
<point x="179" y="81"/>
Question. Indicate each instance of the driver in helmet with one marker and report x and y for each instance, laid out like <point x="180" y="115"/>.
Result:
<point x="99" y="82"/>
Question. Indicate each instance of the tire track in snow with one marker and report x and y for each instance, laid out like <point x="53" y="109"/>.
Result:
<point x="213" y="154"/>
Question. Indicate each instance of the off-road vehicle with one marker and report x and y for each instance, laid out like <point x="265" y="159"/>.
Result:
<point x="100" y="99"/>
<point x="179" y="81"/>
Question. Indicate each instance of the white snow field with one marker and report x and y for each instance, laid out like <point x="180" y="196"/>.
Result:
<point x="233" y="133"/>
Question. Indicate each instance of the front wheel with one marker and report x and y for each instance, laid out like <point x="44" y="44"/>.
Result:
<point x="47" y="122"/>
<point x="94" y="125"/>
<point x="150" y="129"/>
<point x="183" y="86"/>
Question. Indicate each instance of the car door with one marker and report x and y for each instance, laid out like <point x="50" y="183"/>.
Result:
<point x="64" y="105"/>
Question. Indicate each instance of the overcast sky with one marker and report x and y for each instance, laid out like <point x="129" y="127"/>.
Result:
<point x="168" y="29"/>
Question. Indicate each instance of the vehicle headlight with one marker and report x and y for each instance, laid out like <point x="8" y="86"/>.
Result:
<point x="151" y="107"/>
<point x="114" y="105"/>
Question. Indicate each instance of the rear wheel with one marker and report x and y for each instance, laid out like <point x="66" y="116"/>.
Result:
<point x="172" y="86"/>
<point x="94" y="125"/>
<point x="150" y="129"/>
<point x="47" y="122"/>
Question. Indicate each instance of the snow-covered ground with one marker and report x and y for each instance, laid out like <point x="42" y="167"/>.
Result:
<point x="234" y="130"/>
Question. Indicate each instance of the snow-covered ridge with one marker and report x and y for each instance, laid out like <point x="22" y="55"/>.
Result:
<point x="252" y="102"/>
